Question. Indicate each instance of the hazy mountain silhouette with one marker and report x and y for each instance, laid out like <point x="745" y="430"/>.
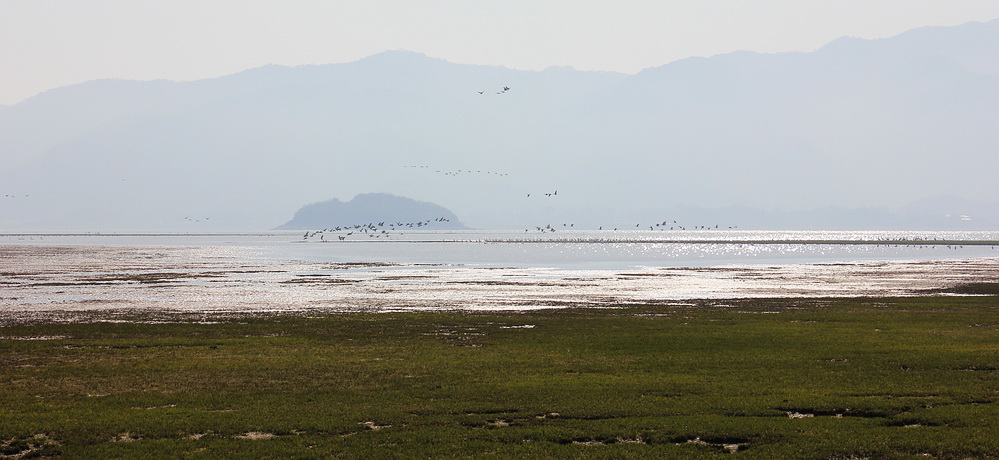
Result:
<point x="373" y="208"/>
<point x="869" y="127"/>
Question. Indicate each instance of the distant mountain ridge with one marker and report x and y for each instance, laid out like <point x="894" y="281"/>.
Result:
<point x="856" y="125"/>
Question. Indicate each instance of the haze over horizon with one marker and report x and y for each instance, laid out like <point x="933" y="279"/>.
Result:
<point x="857" y="133"/>
<point x="62" y="42"/>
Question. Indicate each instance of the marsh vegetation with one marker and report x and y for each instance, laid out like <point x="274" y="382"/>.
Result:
<point x="845" y="378"/>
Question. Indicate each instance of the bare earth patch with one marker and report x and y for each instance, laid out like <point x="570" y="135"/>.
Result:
<point x="256" y="435"/>
<point x="374" y="426"/>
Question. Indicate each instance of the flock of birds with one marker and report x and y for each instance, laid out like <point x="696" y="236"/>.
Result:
<point x="371" y="229"/>
<point x="548" y="194"/>
<point x="549" y="228"/>
<point x="457" y="172"/>
<point x="502" y="91"/>
<point x="661" y="226"/>
<point x="385" y="229"/>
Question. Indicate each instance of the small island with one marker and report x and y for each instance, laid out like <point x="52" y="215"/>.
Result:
<point x="372" y="208"/>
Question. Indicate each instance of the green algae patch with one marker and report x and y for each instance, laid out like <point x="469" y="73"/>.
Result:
<point x="788" y="378"/>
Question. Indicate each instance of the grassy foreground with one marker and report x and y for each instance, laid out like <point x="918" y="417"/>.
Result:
<point x="878" y="378"/>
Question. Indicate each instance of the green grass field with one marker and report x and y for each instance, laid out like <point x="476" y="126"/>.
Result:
<point x="858" y="378"/>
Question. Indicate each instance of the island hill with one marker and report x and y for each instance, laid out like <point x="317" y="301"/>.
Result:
<point x="374" y="209"/>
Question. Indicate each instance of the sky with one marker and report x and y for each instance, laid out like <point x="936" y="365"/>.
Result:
<point x="46" y="44"/>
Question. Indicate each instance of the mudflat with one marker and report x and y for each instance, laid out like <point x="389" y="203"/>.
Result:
<point x="55" y="282"/>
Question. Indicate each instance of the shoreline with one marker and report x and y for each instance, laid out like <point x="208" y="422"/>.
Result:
<point x="39" y="279"/>
<point x="138" y="315"/>
<point x="393" y="238"/>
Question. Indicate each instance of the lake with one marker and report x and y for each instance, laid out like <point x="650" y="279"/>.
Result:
<point x="379" y="269"/>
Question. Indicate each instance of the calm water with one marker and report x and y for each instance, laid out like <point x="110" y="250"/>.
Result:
<point x="472" y="270"/>
<point x="563" y="249"/>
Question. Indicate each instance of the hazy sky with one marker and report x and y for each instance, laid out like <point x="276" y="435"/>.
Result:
<point x="51" y="43"/>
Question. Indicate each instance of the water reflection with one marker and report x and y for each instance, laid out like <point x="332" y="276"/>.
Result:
<point x="267" y="272"/>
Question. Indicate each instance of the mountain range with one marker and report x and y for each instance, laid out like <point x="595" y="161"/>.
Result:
<point x="898" y="132"/>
